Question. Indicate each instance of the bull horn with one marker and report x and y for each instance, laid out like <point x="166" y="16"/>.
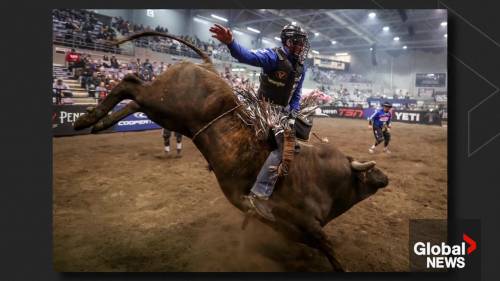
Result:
<point x="361" y="167"/>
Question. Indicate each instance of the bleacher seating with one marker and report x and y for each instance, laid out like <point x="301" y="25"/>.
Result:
<point x="80" y="95"/>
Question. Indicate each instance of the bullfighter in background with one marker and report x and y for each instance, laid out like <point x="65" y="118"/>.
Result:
<point x="380" y="123"/>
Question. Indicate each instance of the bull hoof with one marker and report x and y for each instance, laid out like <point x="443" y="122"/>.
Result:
<point x="100" y="126"/>
<point x="87" y="120"/>
<point x="83" y="122"/>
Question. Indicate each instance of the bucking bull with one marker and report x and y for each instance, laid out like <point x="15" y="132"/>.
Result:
<point x="193" y="100"/>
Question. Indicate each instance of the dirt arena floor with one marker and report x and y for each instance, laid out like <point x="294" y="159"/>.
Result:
<point x="121" y="205"/>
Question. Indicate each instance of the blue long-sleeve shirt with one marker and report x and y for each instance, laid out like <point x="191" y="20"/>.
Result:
<point x="268" y="60"/>
<point x="379" y="118"/>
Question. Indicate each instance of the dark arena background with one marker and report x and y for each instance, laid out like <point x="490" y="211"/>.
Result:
<point x="121" y="203"/>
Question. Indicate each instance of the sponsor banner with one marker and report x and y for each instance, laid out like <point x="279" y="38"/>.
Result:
<point x="417" y="117"/>
<point x="343" y="112"/>
<point x="135" y="122"/>
<point x="64" y="117"/>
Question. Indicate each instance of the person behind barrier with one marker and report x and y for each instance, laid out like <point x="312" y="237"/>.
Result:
<point x="72" y="60"/>
<point x="101" y="91"/>
<point x="281" y="82"/>
<point x="380" y="123"/>
<point x="166" y="141"/>
<point x="59" y="88"/>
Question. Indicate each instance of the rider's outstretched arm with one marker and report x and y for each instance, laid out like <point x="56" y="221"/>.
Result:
<point x="265" y="58"/>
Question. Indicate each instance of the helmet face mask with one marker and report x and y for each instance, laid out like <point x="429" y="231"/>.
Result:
<point x="295" y="40"/>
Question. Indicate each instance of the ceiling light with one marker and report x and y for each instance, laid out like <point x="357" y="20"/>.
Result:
<point x="372" y="15"/>
<point x="315" y="52"/>
<point x="405" y="47"/>
<point x="396" y="38"/>
<point x="444" y="23"/>
<point x="218" y="17"/>
<point x="200" y="20"/>
<point x="277" y="39"/>
<point x="385" y="28"/>
<point x="253" y="30"/>
<point x="341" y="54"/>
<point x="446" y="35"/>
<point x="316" y="33"/>
<point x="334" y="42"/>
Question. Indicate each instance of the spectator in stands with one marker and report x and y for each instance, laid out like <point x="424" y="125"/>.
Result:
<point x="138" y="64"/>
<point x="105" y="62"/>
<point x="114" y="62"/>
<point x="87" y="59"/>
<point x="87" y="26"/>
<point x="162" y="68"/>
<point x="69" y="34"/>
<point x="96" y="65"/>
<point x="59" y="89"/>
<point x="95" y="80"/>
<point x="147" y="65"/>
<point x="101" y="91"/>
<point x="111" y="85"/>
<point x="86" y="77"/>
<point x="146" y="71"/>
<point x="121" y="75"/>
<point x="88" y="39"/>
<point x="72" y="59"/>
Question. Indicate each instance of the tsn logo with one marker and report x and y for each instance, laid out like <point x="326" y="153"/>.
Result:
<point x="443" y="255"/>
<point x="351" y="112"/>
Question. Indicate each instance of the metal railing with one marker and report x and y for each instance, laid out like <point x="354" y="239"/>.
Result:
<point x="77" y="41"/>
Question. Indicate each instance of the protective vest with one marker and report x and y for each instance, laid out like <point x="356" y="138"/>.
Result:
<point x="279" y="85"/>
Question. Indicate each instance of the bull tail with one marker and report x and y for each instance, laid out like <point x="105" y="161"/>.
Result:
<point x="202" y="54"/>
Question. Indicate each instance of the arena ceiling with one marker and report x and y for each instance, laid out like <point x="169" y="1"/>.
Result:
<point x="333" y="31"/>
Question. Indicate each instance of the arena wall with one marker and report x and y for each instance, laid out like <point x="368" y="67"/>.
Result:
<point x="405" y="66"/>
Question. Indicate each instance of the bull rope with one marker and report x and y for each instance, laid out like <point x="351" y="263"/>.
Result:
<point x="213" y="121"/>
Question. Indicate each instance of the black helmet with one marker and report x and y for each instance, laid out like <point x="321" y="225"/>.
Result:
<point x="387" y="104"/>
<point x="298" y="36"/>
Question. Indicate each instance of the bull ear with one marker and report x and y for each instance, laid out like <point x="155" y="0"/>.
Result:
<point x="132" y="79"/>
<point x="361" y="167"/>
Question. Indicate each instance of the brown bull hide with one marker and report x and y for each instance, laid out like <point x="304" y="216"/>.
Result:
<point x="320" y="185"/>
